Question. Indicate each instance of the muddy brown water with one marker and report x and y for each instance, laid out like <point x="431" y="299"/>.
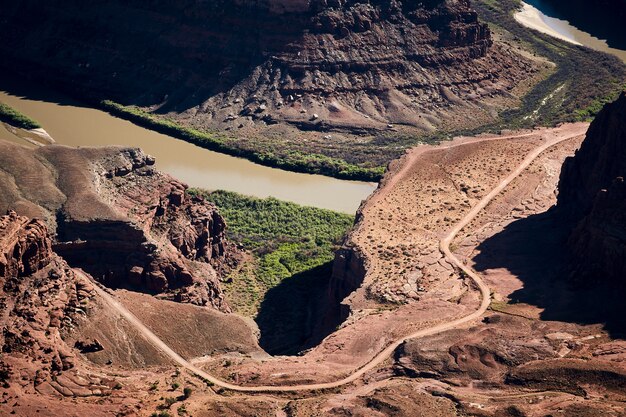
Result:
<point x="6" y="134"/>
<point x="72" y="124"/>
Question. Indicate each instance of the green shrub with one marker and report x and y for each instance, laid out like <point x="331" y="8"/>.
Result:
<point x="285" y="239"/>
<point x="582" y="82"/>
<point x="16" y="119"/>
<point x="169" y="401"/>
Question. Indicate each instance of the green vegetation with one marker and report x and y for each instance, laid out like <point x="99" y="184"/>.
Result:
<point x="508" y="308"/>
<point x="284" y="238"/>
<point x="14" y="118"/>
<point x="288" y="159"/>
<point x="582" y="81"/>
<point x="187" y="392"/>
<point x="169" y="401"/>
<point x="500" y="306"/>
<point x="203" y="379"/>
<point x="589" y="112"/>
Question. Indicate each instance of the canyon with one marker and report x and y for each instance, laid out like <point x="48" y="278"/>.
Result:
<point x="483" y="277"/>
<point x="514" y="361"/>
<point x="113" y="215"/>
<point x="342" y="78"/>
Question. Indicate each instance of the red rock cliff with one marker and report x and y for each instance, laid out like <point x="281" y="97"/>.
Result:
<point x="115" y="216"/>
<point x="592" y="194"/>
<point x="39" y="295"/>
<point x="225" y="64"/>
<point x="24" y="246"/>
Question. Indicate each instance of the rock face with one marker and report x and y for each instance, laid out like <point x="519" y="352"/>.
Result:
<point x="314" y="64"/>
<point x="24" y="246"/>
<point x="116" y="217"/>
<point x="592" y="194"/>
<point x="39" y="296"/>
<point x="509" y="351"/>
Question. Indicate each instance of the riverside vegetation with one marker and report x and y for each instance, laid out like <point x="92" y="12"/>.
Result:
<point x="575" y="89"/>
<point x="271" y="156"/>
<point x="284" y="239"/>
<point x="581" y="82"/>
<point x="15" y="118"/>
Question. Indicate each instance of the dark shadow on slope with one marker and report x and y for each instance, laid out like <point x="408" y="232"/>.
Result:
<point x="174" y="54"/>
<point x="289" y="315"/>
<point x="167" y="96"/>
<point x="15" y="85"/>
<point x="604" y="21"/>
<point x="534" y="249"/>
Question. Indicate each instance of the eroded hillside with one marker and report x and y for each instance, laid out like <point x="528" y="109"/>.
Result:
<point x="516" y="358"/>
<point x="332" y="87"/>
<point x="116" y="217"/>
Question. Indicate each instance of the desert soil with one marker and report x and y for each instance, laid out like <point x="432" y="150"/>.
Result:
<point x="479" y="187"/>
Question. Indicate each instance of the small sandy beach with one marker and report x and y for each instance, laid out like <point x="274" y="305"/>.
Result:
<point x="531" y="17"/>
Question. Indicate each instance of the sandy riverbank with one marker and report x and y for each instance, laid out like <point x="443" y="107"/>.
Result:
<point x="37" y="137"/>
<point x="531" y="17"/>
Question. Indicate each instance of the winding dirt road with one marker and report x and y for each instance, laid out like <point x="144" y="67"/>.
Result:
<point x="384" y="354"/>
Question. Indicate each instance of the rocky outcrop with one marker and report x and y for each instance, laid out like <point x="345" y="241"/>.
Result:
<point x="592" y="194"/>
<point x="599" y="161"/>
<point x="348" y="273"/>
<point x="573" y="376"/>
<point x="598" y="243"/>
<point x="39" y="296"/>
<point x="119" y="219"/>
<point x="89" y="347"/>
<point x="25" y="246"/>
<point x="508" y="352"/>
<point x="349" y="270"/>
<point x="313" y="64"/>
<point x="487" y="353"/>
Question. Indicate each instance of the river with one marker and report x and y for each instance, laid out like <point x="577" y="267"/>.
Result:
<point x="542" y="17"/>
<point x="70" y="123"/>
<point x="73" y="124"/>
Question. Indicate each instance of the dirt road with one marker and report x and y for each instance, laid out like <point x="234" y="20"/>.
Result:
<point x="384" y="354"/>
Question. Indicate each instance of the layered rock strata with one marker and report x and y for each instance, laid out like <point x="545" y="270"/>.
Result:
<point x="39" y="296"/>
<point x="119" y="219"/>
<point x="314" y="64"/>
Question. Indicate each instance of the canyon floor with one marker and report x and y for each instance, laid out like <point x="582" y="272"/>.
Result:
<point x="531" y="353"/>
